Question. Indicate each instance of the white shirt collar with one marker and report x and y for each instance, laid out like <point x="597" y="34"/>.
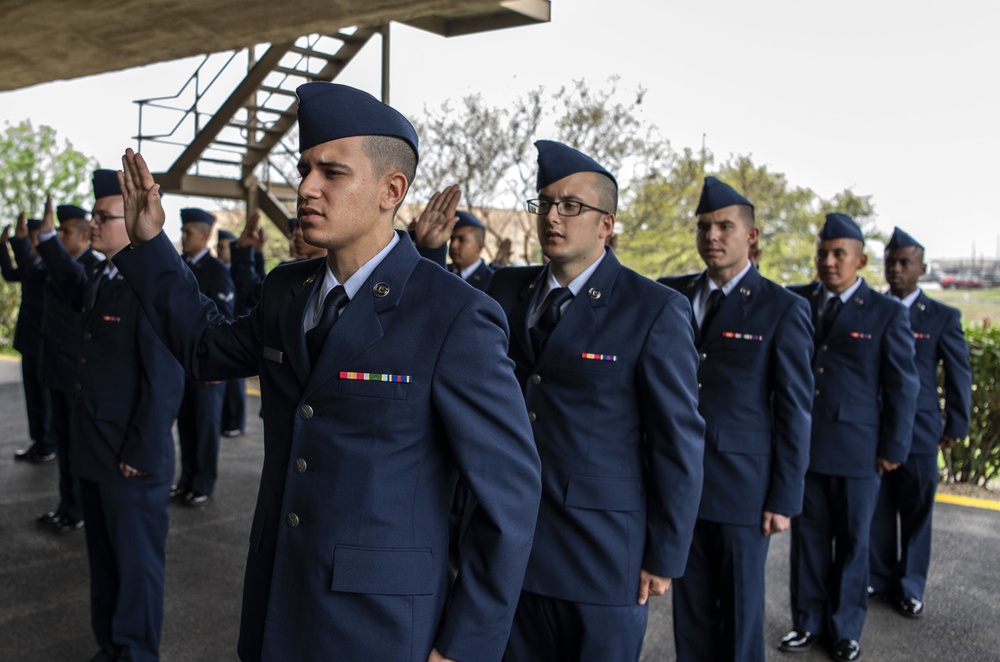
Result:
<point x="471" y="269"/>
<point x="351" y="287"/>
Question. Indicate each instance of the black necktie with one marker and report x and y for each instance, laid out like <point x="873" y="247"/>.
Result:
<point x="715" y="298"/>
<point x="551" y="312"/>
<point x="316" y="336"/>
<point x="829" y="314"/>
<point x="98" y="283"/>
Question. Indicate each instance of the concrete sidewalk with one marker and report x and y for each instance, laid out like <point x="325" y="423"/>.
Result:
<point x="44" y="612"/>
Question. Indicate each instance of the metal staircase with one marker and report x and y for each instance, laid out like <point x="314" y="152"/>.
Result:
<point x="234" y="119"/>
<point x="244" y="146"/>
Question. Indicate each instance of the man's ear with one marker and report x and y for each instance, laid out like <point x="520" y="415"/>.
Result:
<point x="394" y="190"/>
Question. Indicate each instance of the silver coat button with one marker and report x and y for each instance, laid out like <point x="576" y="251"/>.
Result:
<point x="532" y="417"/>
<point x="305" y="411"/>
<point x="536" y="379"/>
<point x="292" y="520"/>
<point x="300" y="466"/>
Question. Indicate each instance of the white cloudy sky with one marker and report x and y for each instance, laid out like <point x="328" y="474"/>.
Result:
<point x="896" y="99"/>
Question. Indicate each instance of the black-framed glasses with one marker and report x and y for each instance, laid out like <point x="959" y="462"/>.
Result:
<point x="563" y="207"/>
<point x="101" y="217"/>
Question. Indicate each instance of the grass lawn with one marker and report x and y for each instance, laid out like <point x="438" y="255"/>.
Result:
<point x="976" y="305"/>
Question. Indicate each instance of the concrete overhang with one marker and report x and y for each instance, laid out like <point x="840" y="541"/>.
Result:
<point x="47" y="40"/>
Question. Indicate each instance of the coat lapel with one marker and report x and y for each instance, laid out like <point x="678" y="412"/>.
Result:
<point x="358" y="326"/>
<point x="292" y="314"/>
<point x="520" y="312"/>
<point x="581" y="314"/>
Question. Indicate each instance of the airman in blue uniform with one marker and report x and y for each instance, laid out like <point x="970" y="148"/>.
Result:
<point x="906" y="500"/>
<point x="372" y="400"/>
<point x="30" y="272"/>
<point x="608" y="368"/>
<point x="127" y="393"/>
<point x="862" y="422"/>
<point x="755" y="393"/>
<point x="199" y="423"/>
<point x="62" y="331"/>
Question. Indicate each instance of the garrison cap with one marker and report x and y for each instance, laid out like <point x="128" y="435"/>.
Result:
<point x="716" y="194"/>
<point x="330" y="111"/>
<point x="226" y="235"/>
<point x="840" y="226"/>
<point x="467" y="220"/>
<point x="901" y="240"/>
<point x="556" y="160"/>
<point x="34" y="224"/>
<point x="106" y="183"/>
<point x="69" y="212"/>
<point x="196" y="215"/>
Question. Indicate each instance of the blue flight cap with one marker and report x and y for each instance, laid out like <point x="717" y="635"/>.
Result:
<point x="901" y="240"/>
<point x="226" y="235"/>
<point x="467" y="220"/>
<point x="556" y="160"/>
<point x="195" y="215"/>
<point x="105" y="184"/>
<point x="330" y="111"/>
<point x="69" y="212"/>
<point x="840" y="226"/>
<point x="34" y="224"/>
<point x="716" y="194"/>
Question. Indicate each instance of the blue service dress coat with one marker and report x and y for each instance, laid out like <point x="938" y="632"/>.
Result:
<point x="348" y="551"/>
<point x="900" y="568"/>
<point x="129" y="388"/>
<point x="755" y="394"/>
<point x="866" y="385"/>
<point x="613" y="403"/>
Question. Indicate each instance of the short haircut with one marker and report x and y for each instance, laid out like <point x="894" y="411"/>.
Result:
<point x="390" y="153"/>
<point x="746" y="212"/>
<point x="607" y="193"/>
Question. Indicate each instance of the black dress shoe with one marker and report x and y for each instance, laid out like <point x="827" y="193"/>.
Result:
<point x="196" y="499"/>
<point x="233" y="432"/>
<point x="69" y="524"/>
<point x="178" y="492"/>
<point x="38" y="457"/>
<point x="51" y="517"/>
<point x="24" y="454"/>
<point x="910" y="607"/>
<point x="797" y="642"/>
<point x="845" y="649"/>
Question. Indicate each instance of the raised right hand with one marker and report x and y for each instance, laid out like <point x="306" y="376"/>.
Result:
<point x="144" y="215"/>
<point x="21" y="228"/>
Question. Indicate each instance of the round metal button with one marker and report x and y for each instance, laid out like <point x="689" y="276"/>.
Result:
<point x="820" y="370"/>
<point x="536" y="379"/>
<point x="816" y="392"/>
<point x="305" y="411"/>
<point x="704" y="356"/>
<point x="532" y="417"/>
<point x="300" y="466"/>
<point x="292" y="520"/>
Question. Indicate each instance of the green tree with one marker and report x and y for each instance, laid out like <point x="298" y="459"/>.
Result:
<point x="33" y="164"/>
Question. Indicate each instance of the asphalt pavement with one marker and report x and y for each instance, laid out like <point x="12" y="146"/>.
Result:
<point x="44" y="585"/>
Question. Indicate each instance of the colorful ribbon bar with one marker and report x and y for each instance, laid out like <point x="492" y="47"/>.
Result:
<point x="374" y="377"/>
<point x="598" y="357"/>
<point x="742" y="336"/>
<point x="862" y="336"/>
<point x="921" y="336"/>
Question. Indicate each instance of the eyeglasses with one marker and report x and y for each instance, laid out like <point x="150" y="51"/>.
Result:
<point x="101" y="217"/>
<point x="563" y="207"/>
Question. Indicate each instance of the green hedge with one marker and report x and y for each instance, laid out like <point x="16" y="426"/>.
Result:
<point x="976" y="460"/>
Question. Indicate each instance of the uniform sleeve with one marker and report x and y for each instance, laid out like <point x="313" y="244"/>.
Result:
<point x="900" y="385"/>
<point x="675" y="438"/>
<point x="11" y="274"/>
<point x="954" y="352"/>
<point x="483" y="413"/>
<point x="68" y="275"/>
<point x="792" y="385"/>
<point x="208" y="346"/>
